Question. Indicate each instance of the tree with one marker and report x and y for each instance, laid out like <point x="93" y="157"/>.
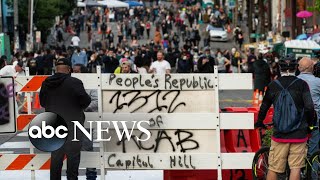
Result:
<point x="316" y="6"/>
<point x="45" y="12"/>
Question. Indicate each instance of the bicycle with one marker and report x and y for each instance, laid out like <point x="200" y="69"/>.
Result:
<point x="260" y="164"/>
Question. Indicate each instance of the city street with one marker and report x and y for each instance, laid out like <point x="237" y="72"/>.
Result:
<point x="19" y="143"/>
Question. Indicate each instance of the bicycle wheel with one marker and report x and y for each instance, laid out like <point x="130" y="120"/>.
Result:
<point x="313" y="166"/>
<point x="260" y="164"/>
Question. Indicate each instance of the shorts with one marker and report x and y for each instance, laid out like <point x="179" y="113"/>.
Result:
<point x="281" y="153"/>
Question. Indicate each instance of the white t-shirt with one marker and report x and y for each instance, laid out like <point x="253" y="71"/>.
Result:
<point x="142" y="70"/>
<point x="75" y="40"/>
<point x="160" y="66"/>
<point x="9" y="70"/>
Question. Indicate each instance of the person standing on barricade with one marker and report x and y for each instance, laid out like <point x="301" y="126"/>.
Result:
<point x="293" y="113"/>
<point x="65" y="96"/>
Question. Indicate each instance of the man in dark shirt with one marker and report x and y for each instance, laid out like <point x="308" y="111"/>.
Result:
<point x="110" y="62"/>
<point x="206" y="63"/>
<point x="288" y="147"/>
<point x="65" y="96"/>
<point x="48" y="62"/>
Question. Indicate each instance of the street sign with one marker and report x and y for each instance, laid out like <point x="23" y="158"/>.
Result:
<point x="7" y="106"/>
<point x="38" y="36"/>
<point x="253" y="35"/>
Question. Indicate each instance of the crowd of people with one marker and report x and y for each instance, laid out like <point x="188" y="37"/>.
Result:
<point x="163" y="39"/>
<point x="173" y="31"/>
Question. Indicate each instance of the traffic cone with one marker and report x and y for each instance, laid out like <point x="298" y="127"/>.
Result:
<point x="228" y="29"/>
<point x="36" y="103"/>
<point x="260" y="98"/>
<point x="255" y="98"/>
<point x="25" y="106"/>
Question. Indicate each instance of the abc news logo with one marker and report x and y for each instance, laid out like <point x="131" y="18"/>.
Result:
<point x="49" y="131"/>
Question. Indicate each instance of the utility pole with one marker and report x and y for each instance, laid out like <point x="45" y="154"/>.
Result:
<point x="279" y="17"/>
<point x="31" y="24"/>
<point x="16" y="25"/>
<point x="262" y="17"/>
<point x="30" y="27"/>
<point x="269" y="15"/>
<point x="236" y="13"/>
<point x="250" y="17"/>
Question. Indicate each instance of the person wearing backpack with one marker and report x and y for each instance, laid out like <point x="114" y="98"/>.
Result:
<point x="293" y="115"/>
<point x="306" y="74"/>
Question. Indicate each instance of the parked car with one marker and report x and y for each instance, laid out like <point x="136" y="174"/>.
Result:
<point x="217" y="33"/>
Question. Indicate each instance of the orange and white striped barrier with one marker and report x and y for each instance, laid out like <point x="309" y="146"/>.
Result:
<point x="24" y="161"/>
<point x="29" y="84"/>
<point x="23" y="121"/>
<point x="42" y="161"/>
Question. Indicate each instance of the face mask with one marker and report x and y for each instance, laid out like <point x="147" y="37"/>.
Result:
<point x="219" y="55"/>
<point x="276" y="60"/>
<point x="184" y="58"/>
<point x="92" y="58"/>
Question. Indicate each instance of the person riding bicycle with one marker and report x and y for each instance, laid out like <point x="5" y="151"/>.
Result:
<point x="293" y="114"/>
<point x="306" y="67"/>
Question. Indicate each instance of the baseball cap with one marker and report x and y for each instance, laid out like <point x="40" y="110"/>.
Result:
<point x="63" y="61"/>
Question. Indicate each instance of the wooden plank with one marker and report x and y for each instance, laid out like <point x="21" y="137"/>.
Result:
<point x="236" y="120"/>
<point x="201" y="82"/>
<point x="163" y="141"/>
<point x="158" y="101"/>
<point x="177" y="120"/>
<point x="237" y="160"/>
<point x="171" y="161"/>
<point x="235" y="81"/>
<point x="161" y="161"/>
<point x="89" y="80"/>
<point x="164" y="120"/>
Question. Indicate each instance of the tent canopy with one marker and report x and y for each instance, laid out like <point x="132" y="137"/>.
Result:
<point x="302" y="44"/>
<point x="94" y="4"/>
<point x="114" y="4"/>
<point x="81" y="4"/>
<point x="133" y="3"/>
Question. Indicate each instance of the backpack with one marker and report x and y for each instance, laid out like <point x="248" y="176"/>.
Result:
<point x="286" y="117"/>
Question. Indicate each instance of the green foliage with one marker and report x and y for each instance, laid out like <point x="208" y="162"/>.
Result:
<point x="45" y="12"/>
<point x="266" y="140"/>
<point x="316" y="6"/>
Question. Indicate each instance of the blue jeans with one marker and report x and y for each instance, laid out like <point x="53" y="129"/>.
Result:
<point x="314" y="141"/>
<point x="313" y="147"/>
